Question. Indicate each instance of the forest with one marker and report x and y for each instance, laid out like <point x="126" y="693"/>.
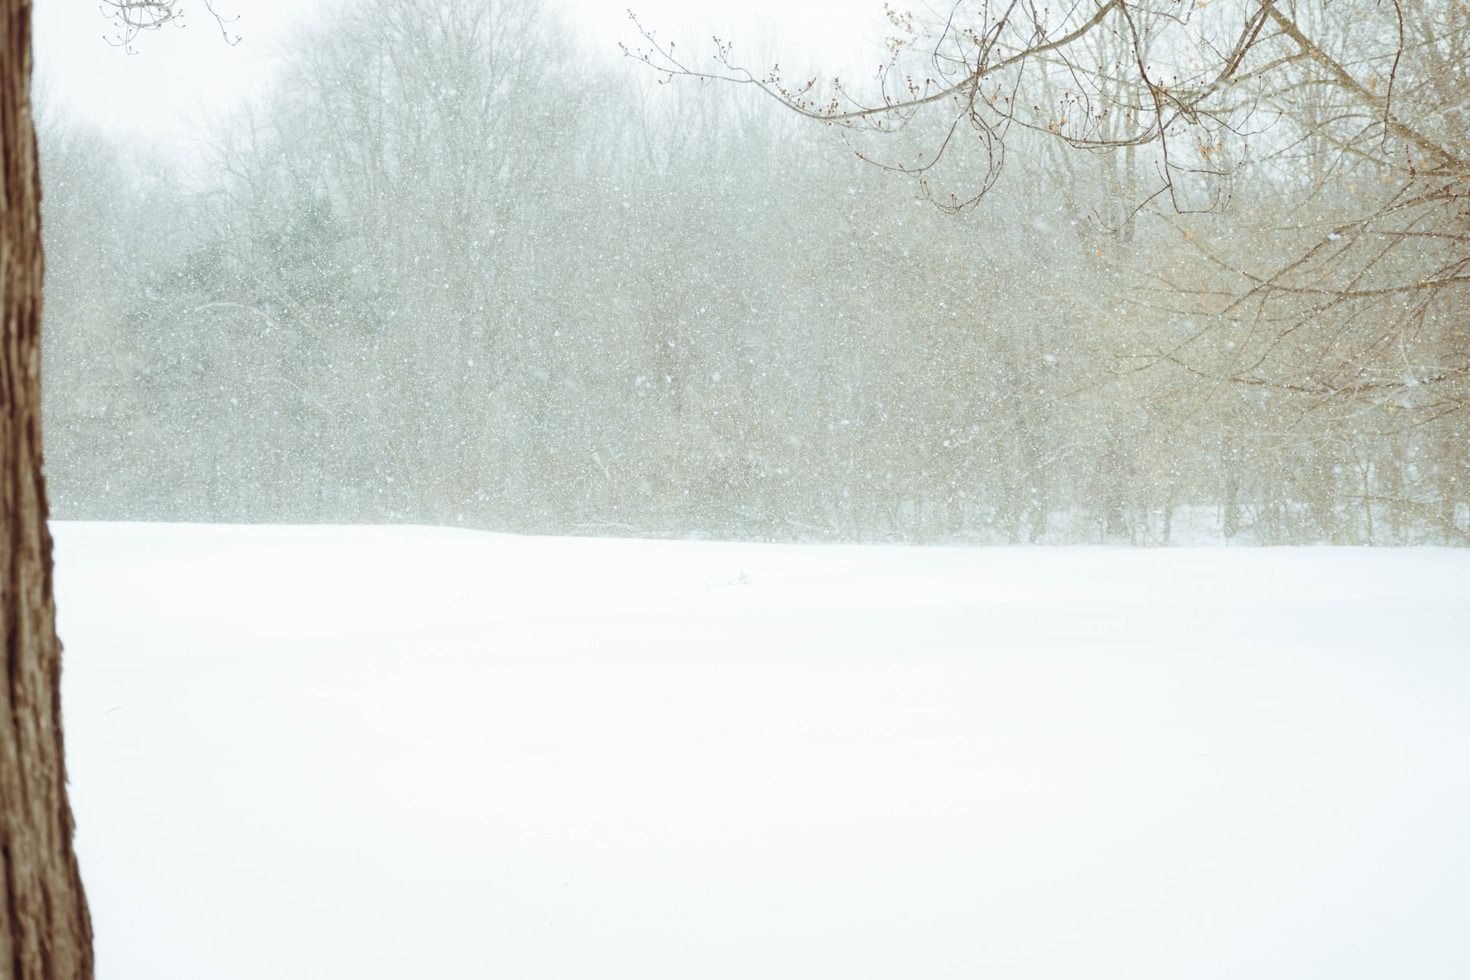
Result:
<point x="454" y="268"/>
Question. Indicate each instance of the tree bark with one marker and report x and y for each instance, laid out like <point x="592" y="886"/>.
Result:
<point x="45" y="929"/>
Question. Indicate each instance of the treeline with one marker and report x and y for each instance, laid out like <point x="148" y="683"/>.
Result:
<point x="455" y="270"/>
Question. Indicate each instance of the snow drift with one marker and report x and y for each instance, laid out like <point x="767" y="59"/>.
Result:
<point x="389" y="752"/>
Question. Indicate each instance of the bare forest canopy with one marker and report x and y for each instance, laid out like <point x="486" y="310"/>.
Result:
<point x="452" y="269"/>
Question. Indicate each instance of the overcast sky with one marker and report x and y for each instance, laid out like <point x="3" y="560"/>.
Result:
<point x="176" y="74"/>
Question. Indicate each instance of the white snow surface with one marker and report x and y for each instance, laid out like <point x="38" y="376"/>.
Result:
<point x="414" y="752"/>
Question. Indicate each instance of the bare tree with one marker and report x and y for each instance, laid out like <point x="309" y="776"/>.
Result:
<point x="1320" y="138"/>
<point x="131" y="18"/>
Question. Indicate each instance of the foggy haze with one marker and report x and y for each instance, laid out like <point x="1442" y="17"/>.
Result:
<point x="1136" y="275"/>
<point x="446" y="266"/>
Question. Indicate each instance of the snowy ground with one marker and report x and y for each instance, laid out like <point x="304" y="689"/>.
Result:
<point x="373" y="752"/>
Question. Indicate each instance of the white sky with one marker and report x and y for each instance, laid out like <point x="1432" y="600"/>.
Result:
<point x="176" y="74"/>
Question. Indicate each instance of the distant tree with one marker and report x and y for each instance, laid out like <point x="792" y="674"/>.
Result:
<point x="392" y="212"/>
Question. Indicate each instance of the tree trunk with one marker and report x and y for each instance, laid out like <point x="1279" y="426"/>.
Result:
<point x="45" y="929"/>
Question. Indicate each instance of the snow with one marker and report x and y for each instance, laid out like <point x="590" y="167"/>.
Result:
<point x="413" y="752"/>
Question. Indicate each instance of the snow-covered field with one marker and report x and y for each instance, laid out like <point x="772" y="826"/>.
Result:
<point x="407" y="752"/>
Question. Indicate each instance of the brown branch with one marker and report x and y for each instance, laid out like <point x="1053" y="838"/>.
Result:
<point x="1345" y="79"/>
